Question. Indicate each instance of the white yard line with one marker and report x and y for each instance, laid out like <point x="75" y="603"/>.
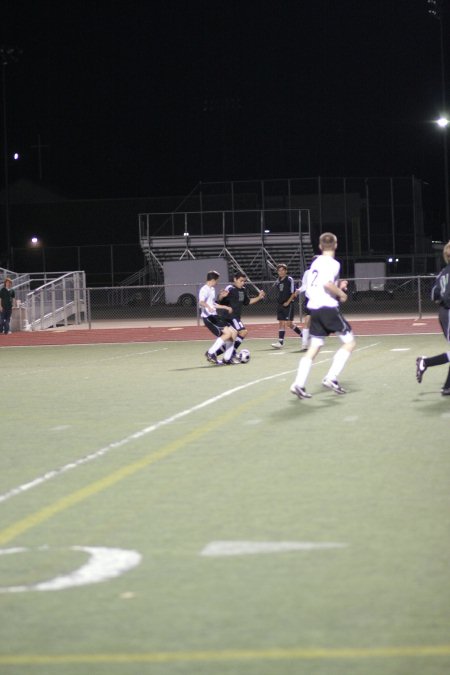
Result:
<point x="144" y="432"/>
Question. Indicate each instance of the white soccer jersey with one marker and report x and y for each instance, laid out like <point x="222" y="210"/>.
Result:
<point x="207" y="294"/>
<point x="324" y="269"/>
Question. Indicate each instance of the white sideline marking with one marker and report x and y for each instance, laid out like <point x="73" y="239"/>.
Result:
<point x="62" y="427"/>
<point x="147" y="430"/>
<point x="103" y="564"/>
<point x="226" y="548"/>
<point x="401" y="349"/>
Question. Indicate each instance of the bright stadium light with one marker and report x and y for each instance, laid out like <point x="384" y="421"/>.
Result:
<point x="443" y="122"/>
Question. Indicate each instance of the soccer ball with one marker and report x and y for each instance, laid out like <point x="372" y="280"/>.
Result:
<point x="244" y="356"/>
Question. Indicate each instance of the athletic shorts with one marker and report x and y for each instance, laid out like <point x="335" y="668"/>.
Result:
<point x="444" y="320"/>
<point x="285" y="313"/>
<point x="327" y="320"/>
<point x="215" y="324"/>
<point x="236" y="324"/>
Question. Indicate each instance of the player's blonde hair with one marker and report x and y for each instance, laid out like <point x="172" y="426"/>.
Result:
<point x="446" y="252"/>
<point x="327" y="241"/>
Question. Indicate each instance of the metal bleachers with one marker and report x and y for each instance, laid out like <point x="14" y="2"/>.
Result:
<point x="256" y="253"/>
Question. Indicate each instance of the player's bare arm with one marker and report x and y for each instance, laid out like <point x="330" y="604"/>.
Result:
<point x="335" y="291"/>
<point x="261" y="295"/>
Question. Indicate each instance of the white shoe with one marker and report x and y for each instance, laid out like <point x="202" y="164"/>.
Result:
<point x="333" y="385"/>
<point x="277" y="345"/>
<point x="299" y="392"/>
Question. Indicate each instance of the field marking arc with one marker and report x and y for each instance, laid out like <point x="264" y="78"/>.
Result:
<point x="49" y="475"/>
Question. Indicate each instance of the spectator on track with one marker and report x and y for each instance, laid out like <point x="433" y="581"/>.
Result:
<point x="7" y="296"/>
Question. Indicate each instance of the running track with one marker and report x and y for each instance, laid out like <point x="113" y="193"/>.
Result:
<point x="385" y="326"/>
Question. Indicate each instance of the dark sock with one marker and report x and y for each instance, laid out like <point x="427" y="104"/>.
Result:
<point x="447" y="381"/>
<point x="438" y="360"/>
<point x="281" y="334"/>
<point x="297" y="330"/>
<point x="238" y="342"/>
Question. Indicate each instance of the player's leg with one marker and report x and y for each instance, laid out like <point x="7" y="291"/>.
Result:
<point x="304" y="368"/>
<point x="290" y="320"/>
<point x="339" y="360"/>
<point x="240" y="332"/>
<point x="212" y="323"/>
<point x="424" y="362"/>
<point x="305" y="332"/>
<point x="281" y="329"/>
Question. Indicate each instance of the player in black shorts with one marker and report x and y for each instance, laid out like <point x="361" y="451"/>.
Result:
<point x="285" y="305"/>
<point x="440" y="293"/>
<point x="236" y="296"/>
<point x="325" y="292"/>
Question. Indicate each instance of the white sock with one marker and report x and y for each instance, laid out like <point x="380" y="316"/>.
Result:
<point x="216" y="346"/>
<point x="339" y="360"/>
<point x="303" y="371"/>
<point x="305" y="336"/>
<point x="231" y="351"/>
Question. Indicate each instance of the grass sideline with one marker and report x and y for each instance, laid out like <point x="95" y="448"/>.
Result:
<point x="185" y="454"/>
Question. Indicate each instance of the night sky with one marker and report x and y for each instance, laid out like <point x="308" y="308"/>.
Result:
<point x="142" y="98"/>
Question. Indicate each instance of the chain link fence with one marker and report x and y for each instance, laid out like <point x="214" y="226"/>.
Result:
<point x="390" y="296"/>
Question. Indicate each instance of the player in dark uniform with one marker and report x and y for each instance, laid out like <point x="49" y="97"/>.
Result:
<point x="440" y="293"/>
<point x="285" y="304"/>
<point x="236" y="296"/>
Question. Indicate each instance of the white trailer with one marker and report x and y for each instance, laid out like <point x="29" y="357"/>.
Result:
<point x="184" y="278"/>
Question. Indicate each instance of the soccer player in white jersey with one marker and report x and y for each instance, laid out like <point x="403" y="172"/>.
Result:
<point x="216" y="324"/>
<point x="325" y="292"/>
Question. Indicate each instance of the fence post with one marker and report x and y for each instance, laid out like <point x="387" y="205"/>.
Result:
<point x="419" y="291"/>
<point x="88" y="307"/>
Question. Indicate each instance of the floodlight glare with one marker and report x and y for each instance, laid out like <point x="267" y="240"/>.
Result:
<point x="443" y="122"/>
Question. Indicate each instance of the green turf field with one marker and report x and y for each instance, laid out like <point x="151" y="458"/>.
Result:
<point x="148" y="449"/>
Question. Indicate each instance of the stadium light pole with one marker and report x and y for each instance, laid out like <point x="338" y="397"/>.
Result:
<point x="7" y="55"/>
<point x="443" y="122"/>
<point x="436" y="10"/>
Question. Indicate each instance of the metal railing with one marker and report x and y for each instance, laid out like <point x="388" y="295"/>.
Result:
<point x="224" y="224"/>
<point x="56" y="302"/>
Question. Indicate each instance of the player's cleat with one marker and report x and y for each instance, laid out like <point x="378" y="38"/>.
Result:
<point x="304" y="348"/>
<point x="445" y="391"/>
<point x="231" y="362"/>
<point x="299" y="392"/>
<point x="277" y="345"/>
<point x="333" y="385"/>
<point x="212" y="358"/>
<point x="420" y="368"/>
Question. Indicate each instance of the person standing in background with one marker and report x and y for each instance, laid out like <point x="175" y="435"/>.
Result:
<point x="7" y="296"/>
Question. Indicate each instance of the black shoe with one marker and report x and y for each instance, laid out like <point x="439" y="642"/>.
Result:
<point x="420" y="368"/>
<point x="212" y="358"/>
<point x="445" y="391"/>
<point x="334" y="385"/>
<point x="299" y="392"/>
